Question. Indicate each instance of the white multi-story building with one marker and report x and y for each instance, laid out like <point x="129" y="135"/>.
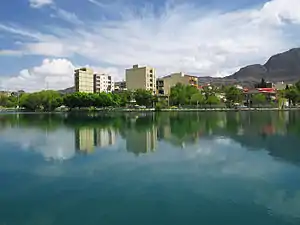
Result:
<point x="103" y="83"/>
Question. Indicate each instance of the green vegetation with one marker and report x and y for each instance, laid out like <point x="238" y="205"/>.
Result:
<point x="198" y="99"/>
<point x="50" y="100"/>
<point x="259" y="99"/>
<point x="233" y="95"/>
<point x="292" y="94"/>
<point x="180" y="96"/>
<point x="143" y="97"/>
<point x="44" y="101"/>
<point x="8" y="101"/>
<point x="189" y="95"/>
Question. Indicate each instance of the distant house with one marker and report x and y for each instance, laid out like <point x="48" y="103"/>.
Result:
<point x="269" y="92"/>
<point x="281" y="85"/>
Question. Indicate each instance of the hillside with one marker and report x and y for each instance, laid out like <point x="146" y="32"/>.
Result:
<point x="67" y="90"/>
<point x="281" y="67"/>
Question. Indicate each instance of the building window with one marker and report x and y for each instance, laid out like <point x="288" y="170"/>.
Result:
<point x="161" y="92"/>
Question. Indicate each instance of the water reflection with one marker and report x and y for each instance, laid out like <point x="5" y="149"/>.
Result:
<point x="150" y="168"/>
<point x="61" y="136"/>
<point x="87" y="138"/>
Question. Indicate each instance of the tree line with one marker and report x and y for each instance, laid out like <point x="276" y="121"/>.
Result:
<point x="180" y="95"/>
<point x="50" y="100"/>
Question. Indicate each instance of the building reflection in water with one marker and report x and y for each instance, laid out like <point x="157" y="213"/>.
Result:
<point x="141" y="142"/>
<point x="87" y="138"/>
<point x="143" y="131"/>
<point x="105" y="137"/>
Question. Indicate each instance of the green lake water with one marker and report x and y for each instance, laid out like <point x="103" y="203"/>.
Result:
<point x="227" y="168"/>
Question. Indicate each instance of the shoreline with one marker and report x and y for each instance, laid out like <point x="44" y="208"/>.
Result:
<point x="154" y="110"/>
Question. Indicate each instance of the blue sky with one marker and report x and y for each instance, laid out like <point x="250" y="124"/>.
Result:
<point x="46" y="39"/>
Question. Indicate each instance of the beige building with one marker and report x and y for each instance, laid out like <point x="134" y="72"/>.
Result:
<point x="141" y="78"/>
<point x="84" y="80"/>
<point x="165" y="84"/>
<point x="5" y="93"/>
<point x="103" y="83"/>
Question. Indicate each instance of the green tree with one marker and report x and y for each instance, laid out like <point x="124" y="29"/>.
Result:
<point x="212" y="100"/>
<point x="50" y="100"/>
<point x="233" y="95"/>
<point x="81" y="100"/>
<point x="198" y="99"/>
<point x="259" y="99"/>
<point x="116" y="99"/>
<point x="3" y="100"/>
<point x="208" y="91"/>
<point x="143" y="97"/>
<point x="12" y="101"/>
<point x="178" y="95"/>
<point x="31" y="101"/>
<point x="103" y="100"/>
<point x="162" y="104"/>
<point x="44" y="100"/>
<point x="72" y="100"/>
<point x="189" y="92"/>
<point x="124" y="97"/>
<point x="182" y="94"/>
<point x="292" y="94"/>
<point x="297" y="85"/>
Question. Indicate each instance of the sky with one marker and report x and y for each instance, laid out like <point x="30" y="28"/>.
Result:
<point x="42" y="41"/>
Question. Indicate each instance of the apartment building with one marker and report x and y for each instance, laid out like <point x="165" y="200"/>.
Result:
<point x="84" y="80"/>
<point x="165" y="84"/>
<point x="103" y="83"/>
<point x="120" y="86"/>
<point x="141" y="78"/>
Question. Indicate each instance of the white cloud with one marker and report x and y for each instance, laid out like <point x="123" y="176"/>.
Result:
<point x="54" y="74"/>
<point x="280" y="10"/>
<point x="51" y="74"/>
<point x="10" y="53"/>
<point x="67" y="16"/>
<point x="182" y="37"/>
<point x="40" y="3"/>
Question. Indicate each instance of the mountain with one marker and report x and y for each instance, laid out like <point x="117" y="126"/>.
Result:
<point x="281" y="67"/>
<point x="67" y="90"/>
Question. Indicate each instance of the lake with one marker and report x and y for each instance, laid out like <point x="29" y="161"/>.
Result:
<point x="181" y="168"/>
